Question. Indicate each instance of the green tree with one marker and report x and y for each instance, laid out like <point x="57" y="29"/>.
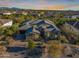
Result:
<point x="20" y="18"/>
<point x="14" y="27"/>
<point x="10" y="30"/>
<point x="31" y="44"/>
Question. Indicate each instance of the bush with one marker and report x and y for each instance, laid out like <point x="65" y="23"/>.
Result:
<point x="55" y="49"/>
<point x="4" y="43"/>
<point x="31" y="44"/>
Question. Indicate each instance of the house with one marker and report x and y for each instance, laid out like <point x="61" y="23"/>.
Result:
<point x="71" y="16"/>
<point x="67" y="16"/>
<point x="72" y="26"/>
<point x="75" y="16"/>
<point x="5" y="23"/>
<point x="25" y="13"/>
<point x="7" y="13"/>
<point x="36" y="28"/>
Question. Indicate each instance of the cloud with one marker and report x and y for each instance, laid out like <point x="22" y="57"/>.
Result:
<point x="61" y="7"/>
<point x="41" y="4"/>
<point x="72" y="0"/>
<point x="55" y="7"/>
<point x="4" y="3"/>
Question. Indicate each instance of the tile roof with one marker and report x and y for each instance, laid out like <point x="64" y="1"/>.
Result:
<point x="74" y="23"/>
<point x="71" y="23"/>
<point x="24" y="27"/>
<point x="77" y="25"/>
<point x="49" y="26"/>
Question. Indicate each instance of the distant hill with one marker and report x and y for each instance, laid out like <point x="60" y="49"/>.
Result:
<point x="65" y="12"/>
<point x="7" y="8"/>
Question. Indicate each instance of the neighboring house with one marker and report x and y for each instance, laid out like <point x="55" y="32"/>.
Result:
<point x="72" y="16"/>
<point x="75" y="16"/>
<point x="7" y="13"/>
<point x="1" y="13"/>
<point x="25" y="13"/>
<point x="72" y="27"/>
<point x="67" y="16"/>
<point x="45" y="28"/>
<point x="5" y="23"/>
<point x="48" y="14"/>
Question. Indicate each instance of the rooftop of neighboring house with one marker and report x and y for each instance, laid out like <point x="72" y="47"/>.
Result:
<point x="40" y="21"/>
<point x="38" y="25"/>
<point x="74" y="23"/>
<point x="3" y="21"/>
<point x="76" y="15"/>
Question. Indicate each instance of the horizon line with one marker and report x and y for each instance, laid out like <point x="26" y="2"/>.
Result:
<point x="41" y="9"/>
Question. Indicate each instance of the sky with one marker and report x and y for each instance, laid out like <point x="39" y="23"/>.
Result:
<point x="42" y="4"/>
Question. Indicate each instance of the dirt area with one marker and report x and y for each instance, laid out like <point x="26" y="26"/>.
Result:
<point x="18" y="49"/>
